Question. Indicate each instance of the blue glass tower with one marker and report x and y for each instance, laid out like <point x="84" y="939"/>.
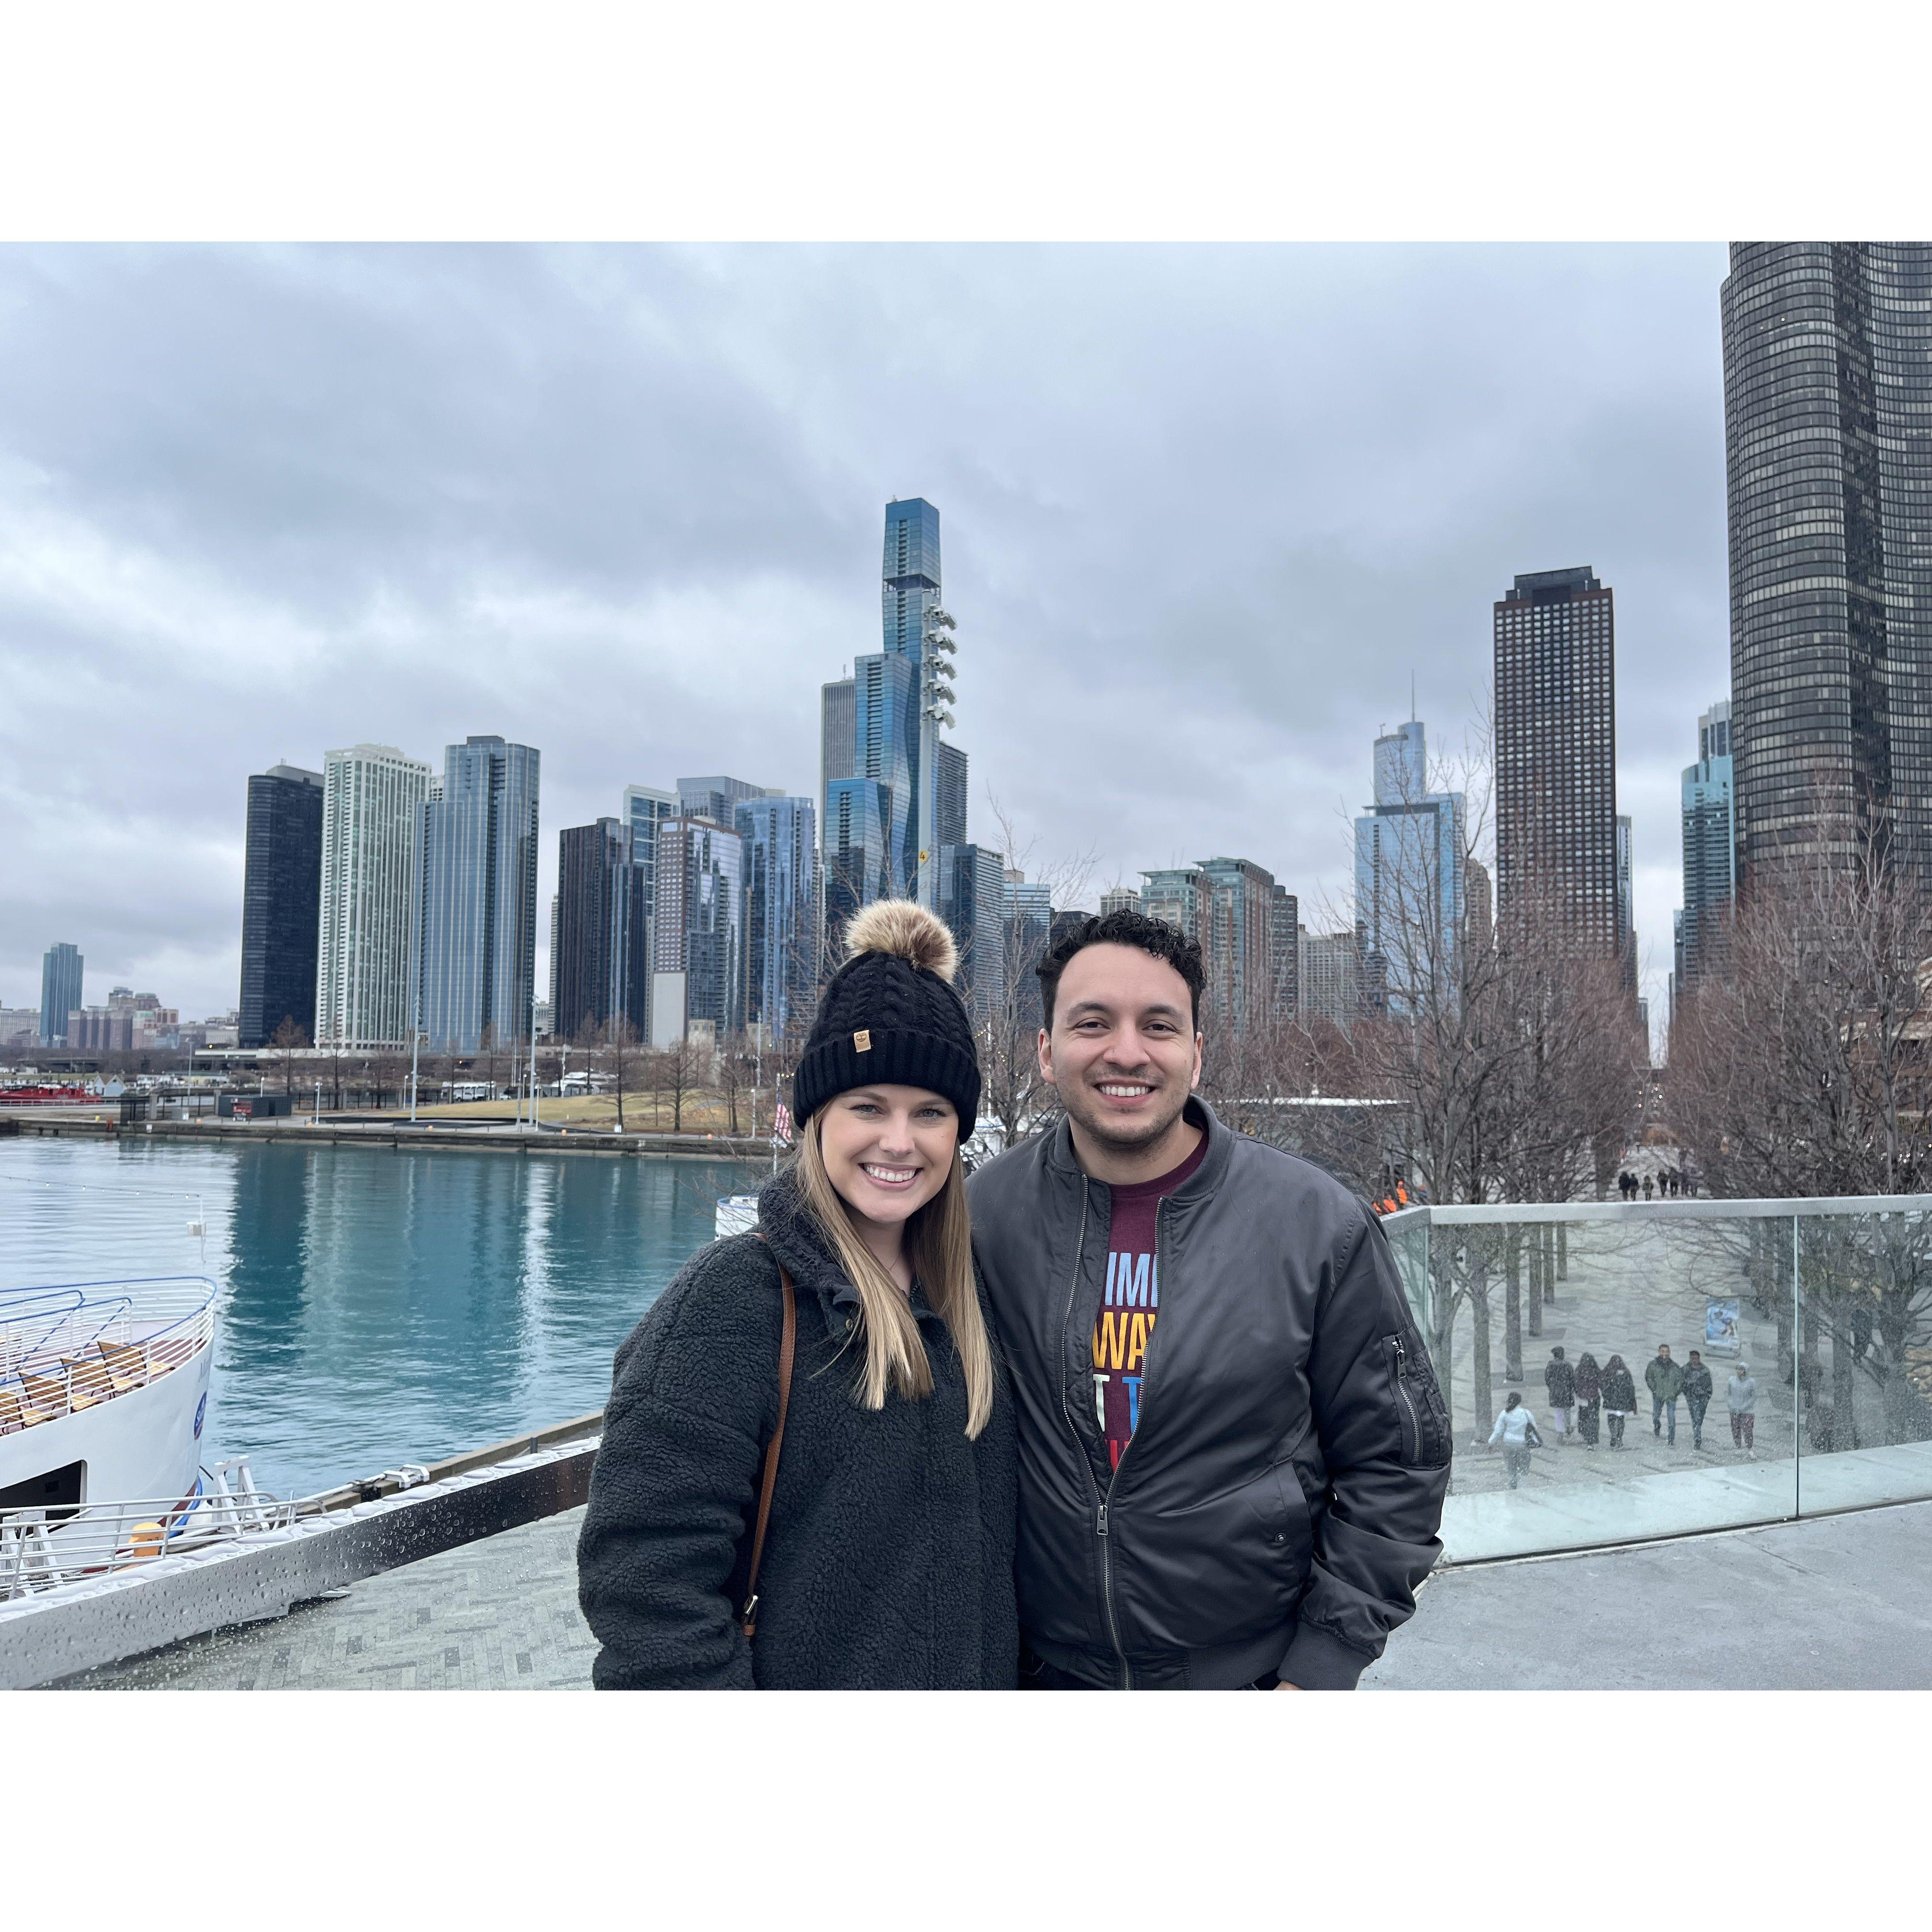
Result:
<point x="1710" y="851"/>
<point x="478" y="949"/>
<point x="781" y="935"/>
<point x="61" y="971"/>
<point x="1409" y="879"/>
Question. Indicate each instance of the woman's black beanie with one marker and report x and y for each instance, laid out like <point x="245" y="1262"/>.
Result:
<point x="891" y="1016"/>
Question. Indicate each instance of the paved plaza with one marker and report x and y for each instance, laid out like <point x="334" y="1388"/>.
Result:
<point x="1839" y="1602"/>
<point x="497" y="1615"/>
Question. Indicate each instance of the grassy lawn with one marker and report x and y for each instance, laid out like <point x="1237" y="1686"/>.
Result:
<point x="704" y="1113"/>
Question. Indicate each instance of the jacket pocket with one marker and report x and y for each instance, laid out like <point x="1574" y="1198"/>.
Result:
<point x="1419" y="1407"/>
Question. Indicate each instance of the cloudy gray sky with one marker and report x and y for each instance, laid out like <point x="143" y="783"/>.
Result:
<point x="1207" y="510"/>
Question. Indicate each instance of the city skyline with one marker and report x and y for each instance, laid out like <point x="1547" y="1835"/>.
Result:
<point x="1109" y="637"/>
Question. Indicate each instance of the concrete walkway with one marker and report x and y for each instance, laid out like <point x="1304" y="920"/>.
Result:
<point x="1837" y="1603"/>
<point x="497" y="1615"/>
<point x="1832" y="1603"/>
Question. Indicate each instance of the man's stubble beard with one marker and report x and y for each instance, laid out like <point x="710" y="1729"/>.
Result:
<point x="1102" y="1127"/>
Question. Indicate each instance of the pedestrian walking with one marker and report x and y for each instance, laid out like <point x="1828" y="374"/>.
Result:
<point x="1665" y="1381"/>
<point x="1740" y="1398"/>
<point x="1619" y="1398"/>
<point x="1560" y="1379"/>
<point x="1589" y="1397"/>
<point x="1696" y="1395"/>
<point x="1516" y="1430"/>
<point x="1649" y="1187"/>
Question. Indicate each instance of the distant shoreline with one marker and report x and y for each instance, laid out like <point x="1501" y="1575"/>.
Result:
<point x="99" y="1124"/>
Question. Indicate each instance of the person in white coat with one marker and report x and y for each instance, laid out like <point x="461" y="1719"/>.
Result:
<point x="1741" y="1397"/>
<point x="1516" y="1430"/>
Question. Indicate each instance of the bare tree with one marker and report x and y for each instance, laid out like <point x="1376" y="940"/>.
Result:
<point x="1801" y="1069"/>
<point x="1009" y="1012"/>
<point x="289" y="1037"/>
<point x="679" y="1070"/>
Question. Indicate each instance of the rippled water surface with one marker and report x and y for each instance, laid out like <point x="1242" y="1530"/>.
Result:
<point x="377" y="1307"/>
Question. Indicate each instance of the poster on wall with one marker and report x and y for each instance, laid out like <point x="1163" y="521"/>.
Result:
<point x="1720" y="1327"/>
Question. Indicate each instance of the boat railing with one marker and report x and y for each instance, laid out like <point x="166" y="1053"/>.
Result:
<point x="59" y="1356"/>
<point x="43" y="1548"/>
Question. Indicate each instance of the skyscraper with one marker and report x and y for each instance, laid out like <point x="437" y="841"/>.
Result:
<point x="1828" y="440"/>
<point x="953" y="795"/>
<point x="783" y="935"/>
<point x="972" y="890"/>
<point x="1479" y="905"/>
<point x="602" y="968"/>
<point x="62" y="969"/>
<point x="1710" y="851"/>
<point x="1241" y="959"/>
<point x="877" y="731"/>
<point x="858" y="866"/>
<point x="1245" y="924"/>
<point x="718" y="798"/>
<point x="1626" y="902"/>
<point x="838" y="736"/>
<point x="477" y="947"/>
<point x="1409" y="881"/>
<point x="1556" y="758"/>
<point x="373" y="797"/>
<point x="1331" y="976"/>
<point x="281" y="903"/>
<point x="1119" y="899"/>
<point x="885" y="750"/>
<point x="697" y="938"/>
<point x="1026" y="917"/>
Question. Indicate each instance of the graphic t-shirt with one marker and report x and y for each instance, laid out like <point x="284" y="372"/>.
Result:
<point x="1131" y="1303"/>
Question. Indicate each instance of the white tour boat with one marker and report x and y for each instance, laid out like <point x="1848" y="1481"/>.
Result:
<point x="103" y="1396"/>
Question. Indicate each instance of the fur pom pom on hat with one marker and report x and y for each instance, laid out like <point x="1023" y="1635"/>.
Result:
<point x="891" y="1016"/>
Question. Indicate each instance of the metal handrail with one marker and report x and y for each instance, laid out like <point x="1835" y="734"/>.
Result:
<point x="1486" y="1213"/>
<point x="162" y="1349"/>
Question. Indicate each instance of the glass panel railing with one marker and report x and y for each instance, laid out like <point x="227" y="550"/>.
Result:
<point x="1620" y="1330"/>
<point x="1862" y="1373"/>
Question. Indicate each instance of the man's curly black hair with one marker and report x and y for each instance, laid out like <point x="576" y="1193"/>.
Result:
<point x="1155" y="936"/>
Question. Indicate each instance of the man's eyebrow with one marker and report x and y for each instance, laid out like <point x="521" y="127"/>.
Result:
<point x="1160" y="1007"/>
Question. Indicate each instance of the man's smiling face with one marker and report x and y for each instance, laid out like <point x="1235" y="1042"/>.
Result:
<point x="1122" y="1050"/>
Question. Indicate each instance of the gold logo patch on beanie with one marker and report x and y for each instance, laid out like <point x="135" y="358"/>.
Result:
<point x="861" y="1040"/>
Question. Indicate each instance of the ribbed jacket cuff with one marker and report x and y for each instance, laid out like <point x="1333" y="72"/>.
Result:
<point x="1316" y="1661"/>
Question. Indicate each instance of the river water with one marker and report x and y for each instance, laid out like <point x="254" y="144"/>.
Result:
<point x="376" y="1307"/>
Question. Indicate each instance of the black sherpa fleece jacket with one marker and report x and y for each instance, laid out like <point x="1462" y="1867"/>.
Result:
<point x="889" y="1563"/>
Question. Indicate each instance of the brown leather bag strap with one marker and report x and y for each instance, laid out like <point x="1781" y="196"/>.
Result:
<point x="748" y="1617"/>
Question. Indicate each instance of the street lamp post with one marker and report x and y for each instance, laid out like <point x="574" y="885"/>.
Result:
<point x="936" y="697"/>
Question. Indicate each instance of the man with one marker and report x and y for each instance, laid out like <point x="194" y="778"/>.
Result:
<point x="1697" y="1393"/>
<point x="1665" y="1381"/>
<point x="1560" y="1379"/>
<point x="1232" y="1450"/>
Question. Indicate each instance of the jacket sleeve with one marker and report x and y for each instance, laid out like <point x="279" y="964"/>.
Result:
<point x="672" y="1488"/>
<point x="1377" y="1540"/>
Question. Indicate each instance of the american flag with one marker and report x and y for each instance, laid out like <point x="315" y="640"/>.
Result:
<point x="781" y="1123"/>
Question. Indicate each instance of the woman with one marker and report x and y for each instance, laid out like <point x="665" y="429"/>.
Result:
<point x="887" y="1561"/>
<point x="1589" y="1397"/>
<point x="1516" y="1430"/>
<point x="1619" y="1398"/>
<point x="1740" y="1398"/>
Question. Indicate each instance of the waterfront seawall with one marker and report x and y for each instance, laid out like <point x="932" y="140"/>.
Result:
<point x="393" y="1134"/>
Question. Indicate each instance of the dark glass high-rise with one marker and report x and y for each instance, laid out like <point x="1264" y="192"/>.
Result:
<point x="281" y="902"/>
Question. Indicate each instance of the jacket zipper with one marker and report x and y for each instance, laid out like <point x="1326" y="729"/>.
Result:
<point x="1107" y="1503"/>
<point x="1408" y="1401"/>
<point x="1100" y="1502"/>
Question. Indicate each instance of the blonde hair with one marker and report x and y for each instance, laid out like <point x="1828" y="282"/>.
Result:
<point x="939" y="1245"/>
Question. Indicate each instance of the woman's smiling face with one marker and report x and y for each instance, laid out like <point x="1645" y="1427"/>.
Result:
<point x="888" y="1150"/>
